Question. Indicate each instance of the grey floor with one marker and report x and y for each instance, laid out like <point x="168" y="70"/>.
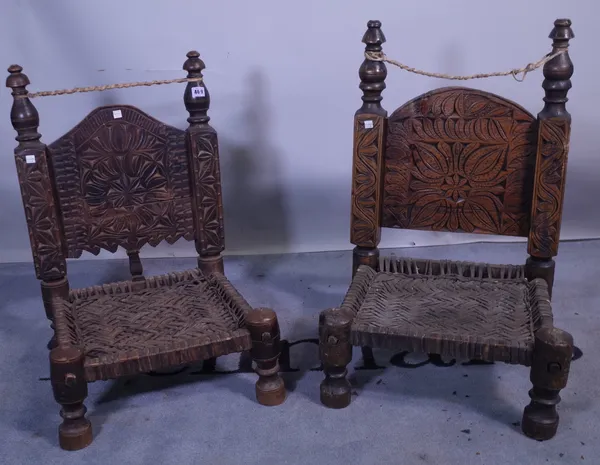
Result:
<point x="460" y="414"/>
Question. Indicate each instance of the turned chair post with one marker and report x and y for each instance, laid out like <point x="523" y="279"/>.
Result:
<point x="266" y="349"/>
<point x="554" y="127"/>
<point x="38" y="196"/>
<point x="335" y="351"/>
<point x="70" y="390"/>
<point x="203" y="159"/>
<point x="550" y="366"/>
<point x="367" y="170"/>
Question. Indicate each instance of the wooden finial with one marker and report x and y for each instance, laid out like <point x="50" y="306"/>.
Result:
<point x="558" y="71"/>
<point x="372" y="73"/>
<point x="196" y="96"/>
<point x="23" y="114"/>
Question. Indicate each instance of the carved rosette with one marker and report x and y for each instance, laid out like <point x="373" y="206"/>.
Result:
<point x="40" y="213"/>
<point x="551" y="165"/>
<point x="459" y="159"/>
<point x="369" y="132"/>
<point x="208" y="204"/>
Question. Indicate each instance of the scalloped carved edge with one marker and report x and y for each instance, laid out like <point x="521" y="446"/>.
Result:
<point x="550" y="178"/>
<point x="367" y="180"/>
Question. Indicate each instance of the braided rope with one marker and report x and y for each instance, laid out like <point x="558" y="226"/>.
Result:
<point x="380" y="56"/>
<point x="126" y="85"/>
<point x="373" y="56"/>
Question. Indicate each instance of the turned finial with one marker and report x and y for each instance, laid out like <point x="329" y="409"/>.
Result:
<point x="558" y="71"/>
<point x="372" y="73"/>
<point x="374" y="37"/>
<point x="23" y="115"/>
<point x="196" y="96"/>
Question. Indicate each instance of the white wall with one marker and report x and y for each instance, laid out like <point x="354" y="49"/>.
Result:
<point x="284" y="83"/>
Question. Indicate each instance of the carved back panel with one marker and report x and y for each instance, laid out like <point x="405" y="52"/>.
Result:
<point x="459" y="159"/>
<point x="121" y="179"/>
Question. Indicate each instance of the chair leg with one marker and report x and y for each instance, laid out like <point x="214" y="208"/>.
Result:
<point x="541" y="268"/>
<point x="264" y="331"/>
<point x="209" y="365"/>
<point x="70" y="390"/>
<point x="336" y="353"/>
<point x="552" y="355"/>
<point x="368" y="358"/>
<point x="50" y="291"/>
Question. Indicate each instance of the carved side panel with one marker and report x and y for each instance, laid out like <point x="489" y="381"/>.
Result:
<point x="122" y="181"/>
<point x="459" y="159"/>
<point x="369" y="132"/>
<point x="550" y="177"/>
<point x="206" y="182"/>
<point x="41" y="215"/>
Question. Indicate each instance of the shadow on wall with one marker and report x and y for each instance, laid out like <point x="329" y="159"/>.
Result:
<point x="253" y="197"/>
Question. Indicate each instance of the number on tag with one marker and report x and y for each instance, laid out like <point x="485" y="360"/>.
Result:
<point x="29" y="159"/>
<point x="117" y="114"/>
<point x="368" y="124"/>
<point x="198" y="92"/>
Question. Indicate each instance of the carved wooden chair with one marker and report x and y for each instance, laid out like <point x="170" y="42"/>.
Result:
<point x="457" y="159"/>
<point x="120" y="178"/>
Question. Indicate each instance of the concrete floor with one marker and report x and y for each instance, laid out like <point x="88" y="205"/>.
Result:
<point x="409" y="411"/>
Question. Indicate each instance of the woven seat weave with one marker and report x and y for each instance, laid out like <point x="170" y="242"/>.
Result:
<point x="464" y="313"/>
<point x="177" y="318"/>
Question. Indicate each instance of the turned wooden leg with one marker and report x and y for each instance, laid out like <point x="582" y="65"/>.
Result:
<point x="52" y="290"/>
<point x="368" y="358"/>
<point x="552" y="355"/>
<point x="264" y="330"/>
<point x="70" y="390"/>
<point x="541" y="268"/>
<point x="336" y="353"/>
<point x="209" y="264"/>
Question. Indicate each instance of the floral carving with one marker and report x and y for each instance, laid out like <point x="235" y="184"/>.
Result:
<point x="459" y="160"/>
<point x="207" y="191"/>
<point x="122" y="167"/>
<point x="553" y="148"/>
<point x="366" y="182"/>
<point x="123" y="182"/>
<point x="461" y="181"/>
<point x="41" y="215"/>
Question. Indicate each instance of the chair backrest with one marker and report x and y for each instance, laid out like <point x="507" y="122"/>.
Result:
<point x="120" y="178"/>
<point x="461" y="160"/>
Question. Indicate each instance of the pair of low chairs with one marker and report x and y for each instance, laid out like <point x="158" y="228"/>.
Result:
<point x="454" y="159"/>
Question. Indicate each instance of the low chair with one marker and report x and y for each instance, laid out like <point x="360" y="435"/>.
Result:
<point x="460" y="160"/>
<point x="121" y="178"/>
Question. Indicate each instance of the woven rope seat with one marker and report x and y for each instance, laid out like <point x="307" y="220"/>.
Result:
<point x="131" y="327"/>
<point x="459" y="309"/>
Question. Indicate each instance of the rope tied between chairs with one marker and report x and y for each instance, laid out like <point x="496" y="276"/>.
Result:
<point x="380" y="56"/>
<point x="373" y="56"/>
<point x="76" y="90"/>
